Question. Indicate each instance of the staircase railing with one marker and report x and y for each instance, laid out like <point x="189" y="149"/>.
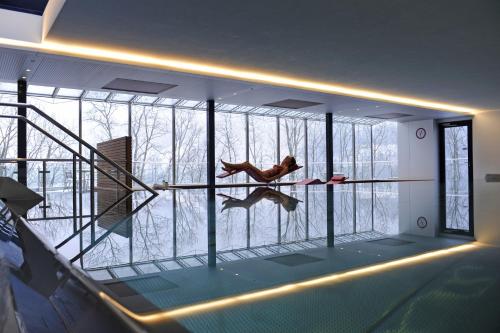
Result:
<point x="93" y="151"/>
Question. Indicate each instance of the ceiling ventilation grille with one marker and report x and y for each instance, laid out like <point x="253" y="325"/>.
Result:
<point x="292" y="104"/>
<point x="137" y="86"/>
<point x="387" y="116"/>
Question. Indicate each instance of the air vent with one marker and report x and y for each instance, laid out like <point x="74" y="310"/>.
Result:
<point x="390" y="116"/>
<point x="137" y="86"/>
<point x="292" y="104"/>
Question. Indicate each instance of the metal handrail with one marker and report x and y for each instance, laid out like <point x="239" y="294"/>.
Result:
<point x="82" y="142"/>
<point x="59" y="142"/>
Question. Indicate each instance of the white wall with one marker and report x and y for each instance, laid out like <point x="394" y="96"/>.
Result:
<point x="418" y="159"/>
<point x="486" y="151"/>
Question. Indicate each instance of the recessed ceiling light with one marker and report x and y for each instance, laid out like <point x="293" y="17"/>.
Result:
<point x="23" y="77"/>
<point x="28" y="70"/>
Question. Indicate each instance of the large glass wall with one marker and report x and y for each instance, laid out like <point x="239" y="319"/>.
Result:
<point x="151" y="132"/>
<point x="164" y="148"/>
<point x="230" y="143"/>
<point x="190" y="146"/>
<point x="316" y="148"/>
<point x="58" y="173"/>
<point x="103" y="121"/>
<point x="385" y="165"/>
<point x="8" y="137"/>
<point x="262" y="141"/>
<point x="292" y="143"/>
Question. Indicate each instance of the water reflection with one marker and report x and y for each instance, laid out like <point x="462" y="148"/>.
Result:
<point x="175" y="230"/>
<point x="260" y="193"/>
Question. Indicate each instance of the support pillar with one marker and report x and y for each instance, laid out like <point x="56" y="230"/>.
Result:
<point x="22" y="172"/>
<point x="329" y="174"/>
<point x="211" y="215"/>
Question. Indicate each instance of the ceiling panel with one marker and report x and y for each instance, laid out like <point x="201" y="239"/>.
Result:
<point x="68" y="72"/>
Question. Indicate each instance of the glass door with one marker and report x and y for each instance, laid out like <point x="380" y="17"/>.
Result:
<point x="455" y="140"/>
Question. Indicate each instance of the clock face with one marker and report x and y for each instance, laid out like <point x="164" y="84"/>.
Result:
<point x="421" y="133"/>
<point x="422" y="222"/>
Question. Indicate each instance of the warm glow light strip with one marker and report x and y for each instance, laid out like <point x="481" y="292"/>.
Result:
<point x="179" y="65"/>
<point x="285" y="289"/>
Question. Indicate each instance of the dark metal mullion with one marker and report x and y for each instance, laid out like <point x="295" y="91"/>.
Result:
<point x="211" y="214"/>
<point x="22" y="171"/>
<point x="278" y="152"/>
<point x="174" y="147"/>
<point x="329" y="174"/>
<point x="372" y="174"/>
<point x="354" y="171"/>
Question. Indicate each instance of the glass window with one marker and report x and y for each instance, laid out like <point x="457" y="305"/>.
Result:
<point x="6" y="86"/>
<point x="262" y="137"/>
<point x="292" y="144"/>
<point x="42" y="90"/>
<point x="385" y="150"/>
<point x="342" y="149"/>
<point x="230" y="143"/>
<point x="190" y="104"/>
<point x="65" y="112"/>
<point x="190" y="146"/>
<point x="152" y="143"/>
<point x="316" y="149"/>
<point x="97" y="95"/>
<point x="385" y="165"/>
<point x="65" y="92"/>
<point x="146" y="99"/>
<point x="456" y="169"/>
<point x="103" y="121"/>
<point x="168" y="101"/>
<point x="363" y="152"/>
<point x="119" y="97"/>
<point x="8" y="136"/>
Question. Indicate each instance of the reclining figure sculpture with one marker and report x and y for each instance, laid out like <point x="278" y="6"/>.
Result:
<point x="288" y="165"/>
<point x="287" y="202"/>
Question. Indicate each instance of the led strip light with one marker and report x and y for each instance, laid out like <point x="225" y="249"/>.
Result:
<point x="287" y="288"/>
<point x="187" y="66"/>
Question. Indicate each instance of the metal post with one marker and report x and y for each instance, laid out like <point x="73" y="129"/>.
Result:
<point x="92" y="207"/>
<point x="306" y="198"/>
<point x="354" y="171"/>
<point x="174" y="147"/>
<point x="329" y="174"/>
<point x="211" y="215"/>
<point x="306" y="151"/>
<point x="329" y="145"/>
<point x="247" y="143"/>
<point x="174" y="220"/>
<point x="80" y="174"/>
<point x="372" y="173"/>
<point x="278" y="142"/>
<point x="74" y="193"/>
<point x="44" y="189"/>
<point x="210" y="143"/>
<point x="22" y="171"/>
<point x="248" y="220"/>
<point x="130" y="119"/>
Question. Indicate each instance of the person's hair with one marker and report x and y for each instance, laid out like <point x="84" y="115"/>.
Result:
<point x="292" y="160"/>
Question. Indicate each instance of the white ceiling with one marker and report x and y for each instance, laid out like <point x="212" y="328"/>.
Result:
<point x="69" y="72"/>
<point x="446" y="50"/>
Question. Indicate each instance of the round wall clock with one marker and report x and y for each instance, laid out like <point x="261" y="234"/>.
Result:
<point x="421" y="133"/>
<point x="422" y="222"/>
